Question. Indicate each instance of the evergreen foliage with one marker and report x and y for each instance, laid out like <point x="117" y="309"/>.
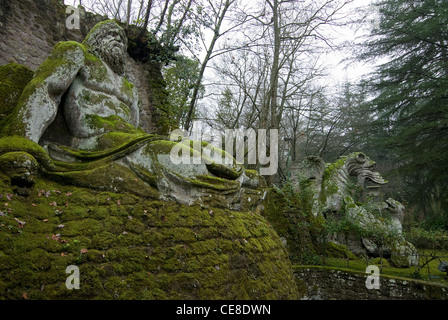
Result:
<point x="411" y="91"/>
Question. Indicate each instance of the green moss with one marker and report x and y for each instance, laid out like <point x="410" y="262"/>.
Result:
<point x="59" y="57"/>
<point x="329" y="184"/>
<point x="127" y="87"/>
<point x="165" y="147"/>
<point x="251" y="173"/>
<point x="98" y="70"/>
<point x="349" y="203"/>
<point x="224" y="171"/>
<point x="111" y="140"/>
<point x="63" y="56"/>
<point x="110" y="177"/>
<point x="20" y="144"/>
<point x="291" y="216"/>
<point x="111" y="124"/>
<point x="336" y="250"/>
<point x="98" y="26"/>
<point x="215" y="183"/>
<point x="13" y="79"/>
<point x="275" y="212"/>
<point x="332" y="168"/>
<point x="163" y="115"/>
<point x="134" y="248"/>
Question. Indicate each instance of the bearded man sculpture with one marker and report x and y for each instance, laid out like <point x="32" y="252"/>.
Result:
<point x="78" y="82"/>
<point x="84" y="115"/>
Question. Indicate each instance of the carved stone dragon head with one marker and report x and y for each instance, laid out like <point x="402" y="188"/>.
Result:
<point x="361" y="166"/>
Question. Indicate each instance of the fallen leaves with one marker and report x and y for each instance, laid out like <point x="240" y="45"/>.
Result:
<point x="57" y="237"/>
<point x="21" y="223"/>
<point x="44" y="193"/>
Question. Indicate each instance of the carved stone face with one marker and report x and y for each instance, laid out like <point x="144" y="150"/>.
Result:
<point x="363" y="167"/>
<point x="21" y="168"/>
<point x="109" y="42"/>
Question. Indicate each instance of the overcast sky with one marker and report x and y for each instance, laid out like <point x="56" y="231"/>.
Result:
<point x="338" y="69"/>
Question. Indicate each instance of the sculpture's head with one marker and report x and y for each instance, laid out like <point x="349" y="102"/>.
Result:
<point x="361" y="166"/>
<point x="21" y="168"/>
<point x="108" y="41"/>
<point x="395" y="208"/>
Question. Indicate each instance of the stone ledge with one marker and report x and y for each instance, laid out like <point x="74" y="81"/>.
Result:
<point x="327" y="283"/>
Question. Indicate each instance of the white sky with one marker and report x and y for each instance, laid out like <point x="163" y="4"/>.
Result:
<point x="340" y="70"/>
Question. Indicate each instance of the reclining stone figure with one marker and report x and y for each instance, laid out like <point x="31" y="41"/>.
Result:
<point x="78" y="119"/>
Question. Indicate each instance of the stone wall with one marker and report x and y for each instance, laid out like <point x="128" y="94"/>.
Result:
<point x="29" y="29"/>
<point x="320" y="283"/>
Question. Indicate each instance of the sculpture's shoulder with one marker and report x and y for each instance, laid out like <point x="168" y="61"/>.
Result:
<point x="65" y="59"/>
<point x="71" y="48"/>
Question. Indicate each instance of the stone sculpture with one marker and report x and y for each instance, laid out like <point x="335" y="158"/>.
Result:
<point x="351" y="186"/>
<point x="81" y="184"/>
<point x="77" y="120"/>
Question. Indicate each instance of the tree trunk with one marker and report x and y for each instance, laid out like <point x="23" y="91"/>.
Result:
<point x="216" y="35"/>
<point x="128" y="16"/>
<point x="145" y="24"/>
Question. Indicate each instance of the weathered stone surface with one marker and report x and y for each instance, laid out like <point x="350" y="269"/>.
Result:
<point x="80" y="106"/>
<point x="311" y="169"/>
<point x="350" y="187"/>
<point x="333" y="284"/>
<point x="30" y="29"/>
<point x="13" y="78"/>
<point x="85" y="186"/>
<point x="129" y="247"/>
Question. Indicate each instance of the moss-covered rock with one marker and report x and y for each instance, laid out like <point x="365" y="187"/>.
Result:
<point x="13" y="78"/>
<point x="290" y="214"/>
<point x="337" y="250"/>
<point x="127" y="247"/>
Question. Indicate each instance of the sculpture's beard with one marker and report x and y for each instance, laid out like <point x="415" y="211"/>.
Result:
<point x="114" y="57"/>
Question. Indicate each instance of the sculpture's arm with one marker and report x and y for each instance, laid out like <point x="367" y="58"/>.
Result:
<point x="38" y="104"/>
